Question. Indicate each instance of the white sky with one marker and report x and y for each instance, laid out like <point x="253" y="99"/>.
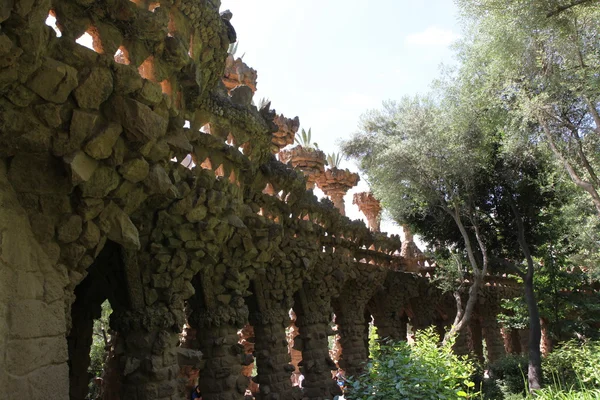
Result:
<point x="329" y="61"/>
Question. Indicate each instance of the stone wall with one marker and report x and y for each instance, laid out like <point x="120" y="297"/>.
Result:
<point x="33" y="349"/>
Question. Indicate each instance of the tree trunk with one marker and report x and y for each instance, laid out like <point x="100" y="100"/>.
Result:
<point x="535" y="330"/>
<point x="535" y="336"/>
<point x="463" y="316"/>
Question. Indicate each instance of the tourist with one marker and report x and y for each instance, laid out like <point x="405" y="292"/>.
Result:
<point x="197" y="394"/>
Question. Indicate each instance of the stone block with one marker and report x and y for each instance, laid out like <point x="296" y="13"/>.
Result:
<point x="141" y="124"/>
<point x="53" y="81"/>
<point x="101" y="145"/>
<point x="81" y="165"/>
<point x="102" y="182"/>
<point x="151" y="93"/>
<point x="90" y="235"/>
<point x="95" y="89"/>
<point x="35" y="318"/>
<point x="50" y="383"/>
<point x="157" y="180"/>
<point x="121" y="229"/>
<point x="27" y="355"/>
<point x="135" y="170"/>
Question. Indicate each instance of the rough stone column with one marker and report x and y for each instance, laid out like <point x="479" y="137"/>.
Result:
<point x="217" y="328"/>
<point x="350" y="310"/>
<point x="310" y="161"/>
<point x="512" y="342"/>
<point x="295" y="355"/>
<point x="246" y="339"/>
<point x="476" y="339"/>
<point x="369" y="206"/>
<point x="221" y="378"/>
<point x="313" y="318"/>
<point x="272" y="360"/>
<point x="146" y="349"/>
<point x="269" y="315"/>
<point x="493" y="338"/>
<point x="462" y="345"/>
<point x="389" y="303"/>
<point x="351" y="322"/>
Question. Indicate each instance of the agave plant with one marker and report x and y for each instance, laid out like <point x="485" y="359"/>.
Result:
<point x="233" y="48"/>
<point x="334" y="160"/>
<point x="304" y="140"/>
<point x="263" y="102"/>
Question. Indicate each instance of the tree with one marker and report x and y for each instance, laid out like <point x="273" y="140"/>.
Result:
<point x="423" y="160"/>
<point x="453" y="170"/>
<point x="540" y="60"/>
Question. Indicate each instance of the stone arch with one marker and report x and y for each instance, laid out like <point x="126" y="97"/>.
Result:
<point x="106" y="280"/>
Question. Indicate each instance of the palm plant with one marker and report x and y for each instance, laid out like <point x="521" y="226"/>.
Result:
<point x="334" y="160"/>
<point x="304" y="140"/>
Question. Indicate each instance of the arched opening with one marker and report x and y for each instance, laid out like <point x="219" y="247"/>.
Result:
<point x="103" y="289"/>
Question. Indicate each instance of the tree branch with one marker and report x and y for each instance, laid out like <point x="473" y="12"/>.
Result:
<point x="560" y="9"/>
<point x="585" y="185"/>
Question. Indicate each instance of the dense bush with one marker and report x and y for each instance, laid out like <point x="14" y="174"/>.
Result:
<point x="510" y="373"/>
<point x="571" y="372"/>
<point x="574" y="364"/>
<point x="422" y="370"/>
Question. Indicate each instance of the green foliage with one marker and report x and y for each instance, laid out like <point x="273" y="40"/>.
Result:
<point x="304" y="140"/>
<point x="575" y="364"/>
<point x="553" y="393"/>
<point x="98" y="348"/>
<point x="423" y="370"/>
<point x="539" y="59"/>
<point x="510" y="374"/>
<point x="334" y="160"/>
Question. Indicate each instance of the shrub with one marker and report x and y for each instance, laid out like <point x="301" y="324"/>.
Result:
<point x="574" y="364"/>
<point x="423" y="370"/>
<point x="510" y="373"/>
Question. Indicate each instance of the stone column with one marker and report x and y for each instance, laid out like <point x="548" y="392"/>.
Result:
<point x="247" y="339"/>
<point x="476" y="339"/>
<point x="269" y="315"/>
<point x="217" y="318"/>
<point x="388" y="306"/>
<point x="350" y="309"/>
<point x="493" y="339"/>
<point x="313" y="318"/>
<point x="310" y="161"/>
<point x="295" y="355"/>
<point x="272" y="360"/>
<point x="369" y="206"/>
<point x="350" y="318"/>
<point x="461" y="345"/>
<point x="512" y="342"/>
<point x="221" y="378"/>
<point x="146" y="350"/>
<point x="524" y="340"/>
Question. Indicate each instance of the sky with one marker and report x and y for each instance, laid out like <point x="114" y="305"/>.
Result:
<point x="329" y="61"/>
